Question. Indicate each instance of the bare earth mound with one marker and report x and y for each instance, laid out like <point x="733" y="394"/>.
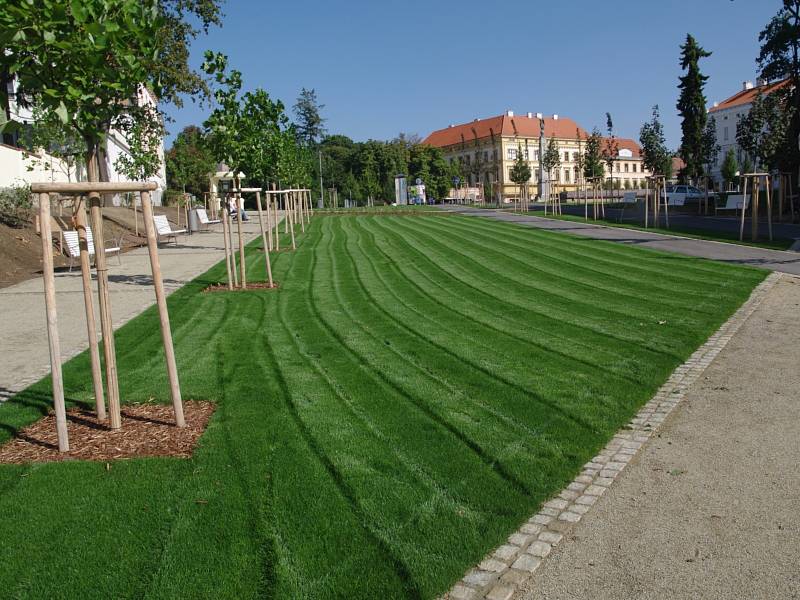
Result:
<point x="147" y="430"/>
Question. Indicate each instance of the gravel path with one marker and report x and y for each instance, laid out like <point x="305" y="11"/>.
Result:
<point x="774" y="260"/>
<point x="23" y="344"/>
<point x="710" y="508"/>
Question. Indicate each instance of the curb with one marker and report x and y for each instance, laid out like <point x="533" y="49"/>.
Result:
<point x="502" y="573"/>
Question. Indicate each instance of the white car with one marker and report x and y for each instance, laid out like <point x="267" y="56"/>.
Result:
<point x="677" y="195"/>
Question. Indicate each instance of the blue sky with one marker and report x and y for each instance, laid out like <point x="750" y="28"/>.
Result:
<point x="384" y="66"/>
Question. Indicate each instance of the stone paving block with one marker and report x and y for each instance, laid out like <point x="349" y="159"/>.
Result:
<point x="501" y="591"/>
<point x="568" y="495"/>
<point x="540" y="549"/>
<point x="527" y="563"/>
<point x="506" y="552"/>
<point x="462" y="592"/>
<point x="569" y="517"/>
<point x="519" y="539"/>
<point x="556" y="503"/>
<point x="550" y="512"/>
<point x="586" y="500"/>
<point x="531" y="528"/>
<point x="515" y="577"/>
<point x="541" y="519"/>
<point x="595" y="490"/>
<point x="581" y="509"/>
<point x="493" y="565"/>
<point x="479" y="578"/>
<point x="551" y="537"/>
<point x="576" y="487"/>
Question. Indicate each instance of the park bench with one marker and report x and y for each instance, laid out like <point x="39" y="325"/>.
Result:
<point x="164" y="229"/>
<point x="676" y="199"/>
<point x="202" y="216"/>
<point x="628" y="198"/>
<point x="74" y="249"/>
<point x="735" y="202"/>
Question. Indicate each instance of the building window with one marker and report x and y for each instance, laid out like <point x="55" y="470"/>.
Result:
<point x="575" y="157"/>
<point x="477" y="157"/>
<point x="634" y="167"/>
<point x="494" y="154"/>
<point x="626" y="167"/>
<point x="512" y="154"/>
<point x="725" y="134"/>
<point x="486" y="156"/>
<point x="617" y="167"/>
<point x="566" y="156"/>
<point x="566" y="175"/>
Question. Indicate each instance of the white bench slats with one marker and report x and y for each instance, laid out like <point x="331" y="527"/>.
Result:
<point x="736" y="202"/>
<point x="74" y="248"/>
<point x="164" y="229"/>
<point x="202" y="216"/>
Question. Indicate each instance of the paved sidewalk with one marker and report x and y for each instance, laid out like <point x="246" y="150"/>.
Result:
<point x="774" y="260"/>
<point x="23" y="344"/>
<point x="709" y="507"/>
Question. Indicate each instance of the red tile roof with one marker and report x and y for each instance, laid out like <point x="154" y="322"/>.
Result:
<point x="503" y="125"/>
<point x="626" y="144"/>
<point x="747" y="96"/>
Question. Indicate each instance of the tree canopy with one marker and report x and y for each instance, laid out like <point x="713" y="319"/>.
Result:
<point x="692" y="108"/>
<point x="189" y="161"/>
<point x="655" y="156"/>
<point x="309" y="124"/>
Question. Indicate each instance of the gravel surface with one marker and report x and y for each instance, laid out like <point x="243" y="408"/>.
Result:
<point x="710" y="508"/>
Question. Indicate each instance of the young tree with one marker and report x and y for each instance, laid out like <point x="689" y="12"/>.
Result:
<point x="310" y="124"/>
<point x="579" y="159"/>
<point x="611" y="149"/>
<point x="763" y="132"/>
<point x="593" y="158"/>
<point x="83" y="63"/>
<point x="692" y="108"/>
<point x="261" y="128"/>
<point x="710" y="146"/>
<point x="747" y="165"/>
<point x="189" y="162"/>
<point x="521" y="170"/>
<point x="552" y="157"/>
<point x="779" y="59"/>
<point x="655" y="156"/>
<point x="729" y="169"/>
<point x="143" y="131"/>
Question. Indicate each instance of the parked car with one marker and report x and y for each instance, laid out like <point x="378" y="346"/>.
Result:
<point x="677" y="195"/>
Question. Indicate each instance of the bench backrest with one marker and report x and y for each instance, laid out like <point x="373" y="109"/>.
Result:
<point x="675" y="199"/>
<point x="202" y="216"/>
<point x="737" y="201"/>
<point x="162" y="224"/>
<point x="73" y="242"/>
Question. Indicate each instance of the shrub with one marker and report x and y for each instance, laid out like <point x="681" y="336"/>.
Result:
<point x="16" y="205"/>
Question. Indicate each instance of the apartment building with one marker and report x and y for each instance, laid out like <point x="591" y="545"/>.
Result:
<point x="727" y="115"/>
<point x="487" y="149"/>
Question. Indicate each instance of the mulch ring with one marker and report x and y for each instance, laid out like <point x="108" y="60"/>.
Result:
<point x="147" y="430"/>
<point x="258" y="285"/>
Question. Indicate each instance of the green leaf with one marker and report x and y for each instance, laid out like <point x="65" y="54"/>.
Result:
<point x="78" y="11"/>
<point x="49" y="36"/>
<point x="62" y="113"/>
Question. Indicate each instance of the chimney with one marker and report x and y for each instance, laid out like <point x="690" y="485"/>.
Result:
<point x="539" y="116"/>
<point x="555" y="117"/>
<point x="509" y="113"/>
<point x="450" y="125"/>
<point x="747" y="85"/>
<point x="530" y="115"/>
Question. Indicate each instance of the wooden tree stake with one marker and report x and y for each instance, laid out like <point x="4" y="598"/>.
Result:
<point x="52" y="322"/>
<point x="88" y="302"/>
<point x="163" y="314"/>
<point x="226" y="239"/>
<point x="106" y="324"/>
<point x="264" y="237"/>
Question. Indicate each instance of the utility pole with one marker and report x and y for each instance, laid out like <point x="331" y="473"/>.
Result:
<point x="321" y="203"/>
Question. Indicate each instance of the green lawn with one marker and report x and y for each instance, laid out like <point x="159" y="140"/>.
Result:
<point x="692" y="232"/>
<point x="411" y="394"/>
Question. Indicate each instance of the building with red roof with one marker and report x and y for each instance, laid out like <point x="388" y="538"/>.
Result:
<point x="729" y="112"/>
<point x="487" y="149"/>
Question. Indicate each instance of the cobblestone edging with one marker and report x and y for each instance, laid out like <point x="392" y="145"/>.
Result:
<point x="500" y="574"/>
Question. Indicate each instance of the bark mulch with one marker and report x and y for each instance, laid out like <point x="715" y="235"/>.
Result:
<point x="147" y="430"/>
<point x="258" y="285"/>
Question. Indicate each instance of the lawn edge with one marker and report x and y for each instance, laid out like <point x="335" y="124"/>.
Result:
<point x="504" y="571"/>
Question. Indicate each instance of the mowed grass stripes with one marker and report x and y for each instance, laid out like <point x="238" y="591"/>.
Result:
<point x="411" y="394"/>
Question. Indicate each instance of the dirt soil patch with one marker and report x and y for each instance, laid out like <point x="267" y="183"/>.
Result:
<point x="21" y="254"/>
<point x="147" y="430"/>
<point x="259" y="285"/>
